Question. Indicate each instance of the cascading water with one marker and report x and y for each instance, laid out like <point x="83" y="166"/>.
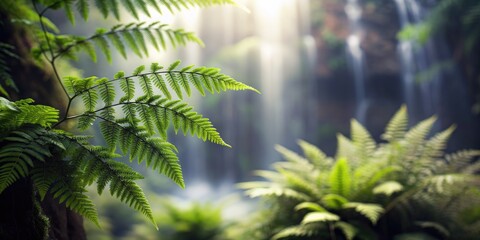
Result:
<point x="422" y="98"/>
<point x="269" y="48"/>
<point x="355" y="56"/>
<point x="431" y="80"/>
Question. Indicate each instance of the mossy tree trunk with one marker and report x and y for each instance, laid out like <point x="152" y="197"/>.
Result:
<point x="22" y="217"/>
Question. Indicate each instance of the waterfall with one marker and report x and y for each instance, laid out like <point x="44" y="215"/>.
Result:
<point x="422" y="97"/>
<point x="432" y="83"/>
<point x="355" y="56"/>
<point x="269" y="48"/>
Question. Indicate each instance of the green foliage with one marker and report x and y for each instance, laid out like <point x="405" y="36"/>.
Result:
<point x="200" y="221"/>
<point x="134" y="36"/>
<point x="363" y="193"/>
<point x="133" y="7"/>
<point x="133" y="120"/>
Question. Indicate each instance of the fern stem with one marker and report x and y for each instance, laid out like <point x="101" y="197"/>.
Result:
<point x="135" y="76"/>
<point x="70" y="46"/>
<point x="51" y="60"/>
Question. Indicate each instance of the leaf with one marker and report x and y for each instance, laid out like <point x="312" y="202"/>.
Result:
<point x="397" y="126"/>
<point x="348" y="230"/>
<point x="310" y="206"/>
<point x="371" y="211"/>
<point x="364" y="143"/>
<point x="313" y="217"/>
<point x="388" y="188"/>
<point x="340" y="178"/>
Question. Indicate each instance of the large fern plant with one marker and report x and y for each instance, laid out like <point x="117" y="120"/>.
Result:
<point x="370" y="190"/>
<point x="134" y="111"/>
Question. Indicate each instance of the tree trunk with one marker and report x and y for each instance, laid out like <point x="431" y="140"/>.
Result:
<point x="21" y="216"/>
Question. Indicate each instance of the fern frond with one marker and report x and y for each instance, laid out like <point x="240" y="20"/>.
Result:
<point x="98" y="166"/>
<point x="300" y="183"/>
<point x="292" y="157"/>
<point x="133" y="35"/>
<point x="62" y="181"/>
<point x="314" y="217"/>
<point x="315" y="155"/>
<point x="371" y="211"/>
<point x="340" y="179"/>
<point x="121" y="178"/>
<point x="180" y="114"/>
<point x="363" y="141"/>
<point x="310" y="206"/>
<point x="23" y="147"/>
<point x="307" y="230"/>
<point x="434" y="225"/>
<point x="388" y="188"/>
<point x="277" y="192"/>
<point x="397" y="127"/>
<point x="440" y="183"/>
<point x="348" y="230"/>
<point x="158" y="153"/>
<point x="434" y="147"/>
<point x="416" y="136"/>
<point x="22" y="112"/>
<point x="345" y="148"/>
<point x="334" y="201"/>
<point x="461" y="159"/>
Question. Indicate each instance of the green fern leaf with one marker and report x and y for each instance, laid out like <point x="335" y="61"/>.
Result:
<point x="67" y="191"/>
<point x="86" y="121"/>
<point x="128" y="87"/>
<point x="172" y="81"/>
<point x="304" y="231"/>
<point x="310" y="206"/>
<point x="340" y="178"/>
<point x="345" y="148"/>
<point x="89" y="95"/>
<point x="107" y="91"/>
<point x="140" y="39"/>
<point x="159" y="154"/>
<point x="103" y="6"/>
<point x="371" y="211"/>
<point x="314" y="154"/>
<point x="103" y="45"/>
<point x="15" y="114"/>
<point x="291" y="156"/>
<point x="82" y="7"/>
<point x="436" y="145"/>
<point x="416" y="136"/>
<point x="121" y="179"/>
<point x="146" y="113"/>
<point x="348" y="230"/>
<point x="118" y="44"/>
<point x="364" y="143"/>
<point x="146" y="85"/>
<point x="159" y="82"/>
<point x="109" y="131"/>
<point x="334" y="201"/>
<point x="88" y="48"/>
<point x="314" y="217"/>
<point x="388" y="188"/>
<point x="24" y="147"/>
<point x="300" y="183"/>
<point x="67" y="6"/>
<point x="277" y="191"/>
<point x="397" y="127"/>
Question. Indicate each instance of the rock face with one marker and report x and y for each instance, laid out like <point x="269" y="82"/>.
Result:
<point x="382" y="75"/>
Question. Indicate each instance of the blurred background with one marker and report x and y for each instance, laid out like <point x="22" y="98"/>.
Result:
<point x="318" y="64"/>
